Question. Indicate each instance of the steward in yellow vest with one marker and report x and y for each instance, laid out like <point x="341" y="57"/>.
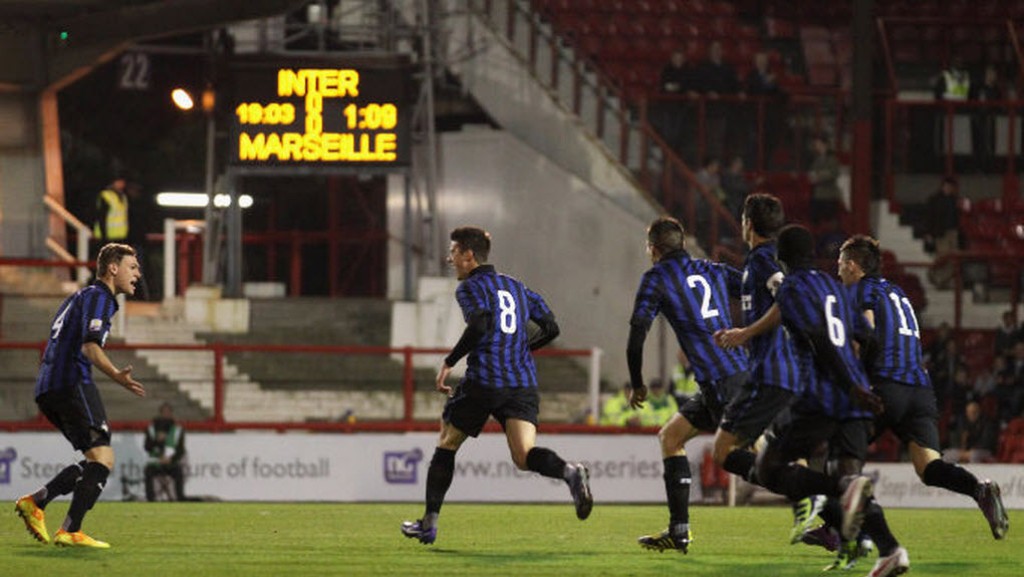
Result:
<point x="112" y="213"/>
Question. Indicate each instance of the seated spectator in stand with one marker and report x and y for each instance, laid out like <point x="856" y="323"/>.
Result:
<point x="684" y="380"/>
<point x="659" y="406"/>
<point x="826" y="196"/>
<point x="676" y="118"/>
<point x="165" y="446"/>
<point x="943" y="234"/>
<point x="962" y="391"/>
<point x="1005" y="390"/>
<point x="716" y="78"/>
<point x="987" y="380"/>
<point x="975" y="439"/>
<point x="617" y="412"/>
<point x="1007" y="335"/>
<point x="943" y="369"/>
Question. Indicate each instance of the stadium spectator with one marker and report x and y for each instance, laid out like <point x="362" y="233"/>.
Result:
<point x="896" y="369"/>
<point x="735" y="186"/>
<point x="717" y="78"/>
<point x="986" y="381"/>
<point x="983" y="119"/>
<point x="961" y="391"/>
<point x="1017" y="375"/>
<point x="826" y="197"/>
<point x="659" y="406"/>
<point x="943" y="369"/>
<point x="830" y="238"/>
<point x="694" y="313"/>
<point x="710" y="177"/>
<point x="164" y="444"/>
<point x="497" y="309"/>
<point x="975" y="437"/>
<point x="70" y="400"/>
<point x="617" y="412"/>
<point x="943" y="234"/>
<point x="675" y="116"/>
<point x="684" y="381"/>
<point x="111" y="218"/>
<point x="762" y="83"/>
<point x="1007" y="335"/>
<point x="952" y="84"/>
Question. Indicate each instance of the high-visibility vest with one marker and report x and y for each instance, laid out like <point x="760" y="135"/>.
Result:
<point x="958" y="84"/>
<point x="170" y="442"/>
<point x="117" y="215"/>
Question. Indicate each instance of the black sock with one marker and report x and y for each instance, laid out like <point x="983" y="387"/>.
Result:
<point x="546" y="462"/>
<point x="741" y="462"/>
<point x="62" y="484"/>
<point x="87" y="491"/>
<point x="797" y="482"/>
<point x="439" y="478"/>
<point x="939" y="473"/>
<point x="878" y="529"/>
<point x="832" y="513"/>
<point x="677" y="488"/>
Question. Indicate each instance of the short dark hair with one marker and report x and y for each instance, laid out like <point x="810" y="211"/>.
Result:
<point x="666" y="234"/>
<point x="863" y="250"/>
<point x="475" y="239"/>
<point x="796" y="246"/>
<point x="765" y="213"/>
<point x="111" y="253"/>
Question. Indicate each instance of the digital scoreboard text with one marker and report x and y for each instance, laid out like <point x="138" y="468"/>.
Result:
<point x="320" y="116"/>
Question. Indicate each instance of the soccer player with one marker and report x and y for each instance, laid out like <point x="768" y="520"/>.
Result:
<point x="900" y="379"/>
<point x="819" y="317"/>
<point x="775" y="378"/>
<point x="693" y="295"/>
<point x="774" y="375"/>
<point x="68" y="397"/>
<point x="500" y="379"/>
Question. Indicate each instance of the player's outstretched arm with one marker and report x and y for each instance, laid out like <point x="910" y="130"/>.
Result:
<point x="99" y="359"/>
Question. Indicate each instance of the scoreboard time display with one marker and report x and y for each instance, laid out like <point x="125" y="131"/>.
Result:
<point x="316" y="115"/>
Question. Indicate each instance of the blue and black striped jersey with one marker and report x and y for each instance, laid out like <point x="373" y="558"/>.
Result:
<point x="897" y="355"/>
<point x="693" y="294"/>
<point x="83" y="317"/>
<point x="502" y="356"/>
<point x="771" y="354"/>
<point x="819" y="315"/>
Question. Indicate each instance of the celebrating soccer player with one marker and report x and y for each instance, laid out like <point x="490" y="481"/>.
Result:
<point x="500" y="380"/>
<point x="68" y="397"/>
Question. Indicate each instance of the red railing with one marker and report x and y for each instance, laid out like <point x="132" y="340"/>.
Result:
<point x="218" y="422"/>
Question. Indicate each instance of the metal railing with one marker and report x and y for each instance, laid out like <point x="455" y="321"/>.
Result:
<point x="83" y="235"/>
<point x="206" y="379"/>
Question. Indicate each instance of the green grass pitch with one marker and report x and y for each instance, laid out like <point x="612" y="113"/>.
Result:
<point x="275" y="539"/>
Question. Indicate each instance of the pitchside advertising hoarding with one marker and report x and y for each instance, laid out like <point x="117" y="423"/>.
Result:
<point x="393" y="467"/>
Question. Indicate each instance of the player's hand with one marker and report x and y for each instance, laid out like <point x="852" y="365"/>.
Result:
<point x="124" y="378"/>
<point x="866" y="399"/>
<point x="730" y="338"/>
<point x="637" y="396"/>
<point x="439" y="384"/>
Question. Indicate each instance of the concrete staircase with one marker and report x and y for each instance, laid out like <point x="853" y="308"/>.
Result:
<point x="941" y="302"/>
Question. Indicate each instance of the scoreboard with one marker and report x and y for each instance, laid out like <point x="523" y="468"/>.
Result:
<point x="322" y="114"/>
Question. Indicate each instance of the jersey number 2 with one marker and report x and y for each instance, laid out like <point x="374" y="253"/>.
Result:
<point x="706" y="311"/>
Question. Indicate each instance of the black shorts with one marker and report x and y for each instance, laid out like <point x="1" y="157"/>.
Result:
<point x="754" y="409"/>
<point x="705" y="408"/>
<point x="802" y="436"/>
<point x="910" y="412"/>
<point x="468" y="409"/>
<point x="78" y="413"/>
